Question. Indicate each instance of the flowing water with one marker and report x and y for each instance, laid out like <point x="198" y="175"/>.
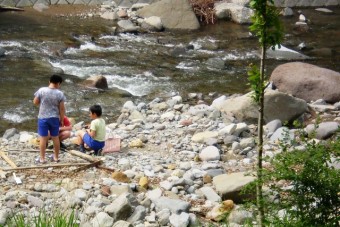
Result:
<point x="146" y="65"/>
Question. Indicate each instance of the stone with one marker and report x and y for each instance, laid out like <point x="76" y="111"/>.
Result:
<point x="96" y="82"/>
<point x="277" y="105"/>
<point x="324" y="130"/>
<point x="121" y="177"/>
<point x="179" y="220"/>
<point x="144" y="182"/>
<point x="307" y="82"/>
<point x="202" y="136"/>
<point x="136" y="143"/>
<point x="174" y="205"/>
<point x="102" y="219"/>
<point x="210" y="153"/>
<point x="230" y="185"/>
<point x="122" y="223"/>
<point x="175" y="14"/>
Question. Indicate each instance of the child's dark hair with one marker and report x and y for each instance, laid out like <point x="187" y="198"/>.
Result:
<point x="97" y="109"/>
<point x="55" y="79"/>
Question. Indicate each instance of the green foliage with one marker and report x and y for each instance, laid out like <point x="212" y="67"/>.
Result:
<point x="267" y="26"/>
<point x="255" y="82"/>
<point x="266" y="23"/>
<point x="56" y="219"/>
<point x="309" y="196"/>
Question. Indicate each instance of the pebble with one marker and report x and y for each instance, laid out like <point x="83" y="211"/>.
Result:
<point x="161" y="172"/>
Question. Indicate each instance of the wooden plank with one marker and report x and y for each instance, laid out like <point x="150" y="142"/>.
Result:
<point x="7" y="159"/>
<point x="88" y="166"/>
<point x="47" y="166"/>
<point x="83" y="156"/>
<point x="105" y="168"/>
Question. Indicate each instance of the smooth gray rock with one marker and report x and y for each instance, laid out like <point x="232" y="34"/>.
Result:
<point x="137" y="215"/>
<point x="174" y="205"/>
<point x="9" y="133"/>
<point x="175" y="14"/>
<point x="324" y="129"/>
<point x="210" y="194"/>
<point x="180" y="220"/>
<point x="277" y="105"/>
<point x="210" y="153"/>
<point x="102" y="219"/>
<point x="230" y="185"/>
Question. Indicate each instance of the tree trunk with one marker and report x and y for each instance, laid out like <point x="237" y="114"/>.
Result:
<point x="259" y="195"/>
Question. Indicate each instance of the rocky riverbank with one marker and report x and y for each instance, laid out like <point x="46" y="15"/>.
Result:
<point x="177" y="163"/>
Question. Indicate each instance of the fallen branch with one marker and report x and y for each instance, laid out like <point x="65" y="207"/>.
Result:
<point x="105" y="168"/>
<point x="97" y="163"/>
<point x="83" y="156"/>
<point x="29" y="150"/>
<point x="46" y="166"/>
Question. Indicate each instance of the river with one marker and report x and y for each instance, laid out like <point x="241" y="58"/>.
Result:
<point x="147" y="65"/>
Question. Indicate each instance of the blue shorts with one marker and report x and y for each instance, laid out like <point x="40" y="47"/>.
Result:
<point x="46" y="125"/>
<point x="93" y="144"/>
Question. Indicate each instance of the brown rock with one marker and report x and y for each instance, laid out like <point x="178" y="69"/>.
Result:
<point x="122" y="13"/>
<point x="96" y="82"/>
<point x="228" y="205"/>
<point x="308" y="82"/>
<point x="121" y="177"/>
<point x="207" y="179"/>
<point x="186" y="122"/>
<point x="105" y="190"/>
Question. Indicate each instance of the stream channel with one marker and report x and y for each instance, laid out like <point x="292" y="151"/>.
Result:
<point x="213" y="59"/>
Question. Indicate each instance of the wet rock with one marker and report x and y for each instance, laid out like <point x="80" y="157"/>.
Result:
<point x="96" y="82"/>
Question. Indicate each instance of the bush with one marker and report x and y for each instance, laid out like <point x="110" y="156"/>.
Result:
<point x="307" y="186"/>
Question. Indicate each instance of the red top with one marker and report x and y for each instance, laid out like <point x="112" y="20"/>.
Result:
<point x="66" y="122"/>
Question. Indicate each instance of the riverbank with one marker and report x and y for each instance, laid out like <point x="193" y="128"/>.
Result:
<point x="176" y="164"/>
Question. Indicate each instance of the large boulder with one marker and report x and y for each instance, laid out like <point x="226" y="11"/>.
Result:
<point x="237" y="13"/>
<point x="175" y="14"/>
<point x="229" y="186"/>
<point x="277" y="105"/>
<point x="96" y="82"/>
<point x="308" y="82"/>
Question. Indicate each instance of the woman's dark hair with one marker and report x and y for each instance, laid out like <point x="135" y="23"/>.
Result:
<point x="97" y="109"/>
<point x="56" y="79"/>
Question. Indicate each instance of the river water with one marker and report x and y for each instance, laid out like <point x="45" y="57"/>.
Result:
<point x="145" y="65"/>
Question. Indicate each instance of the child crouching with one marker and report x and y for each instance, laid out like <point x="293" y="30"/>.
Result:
<point x="94" y="137"/>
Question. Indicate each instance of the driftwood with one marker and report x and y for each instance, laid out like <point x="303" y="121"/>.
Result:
<point x="83" y="156"/>
<point x="97" y="163"/>
<point x="47" y="166"/>
<point x="10" y="8"/>
<point x="105" y="168"/>
<point x="30" y="150"/>
<point x="7" y="159"/>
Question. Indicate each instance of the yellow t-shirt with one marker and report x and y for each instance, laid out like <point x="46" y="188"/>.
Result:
<point x="98" y="125"/>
